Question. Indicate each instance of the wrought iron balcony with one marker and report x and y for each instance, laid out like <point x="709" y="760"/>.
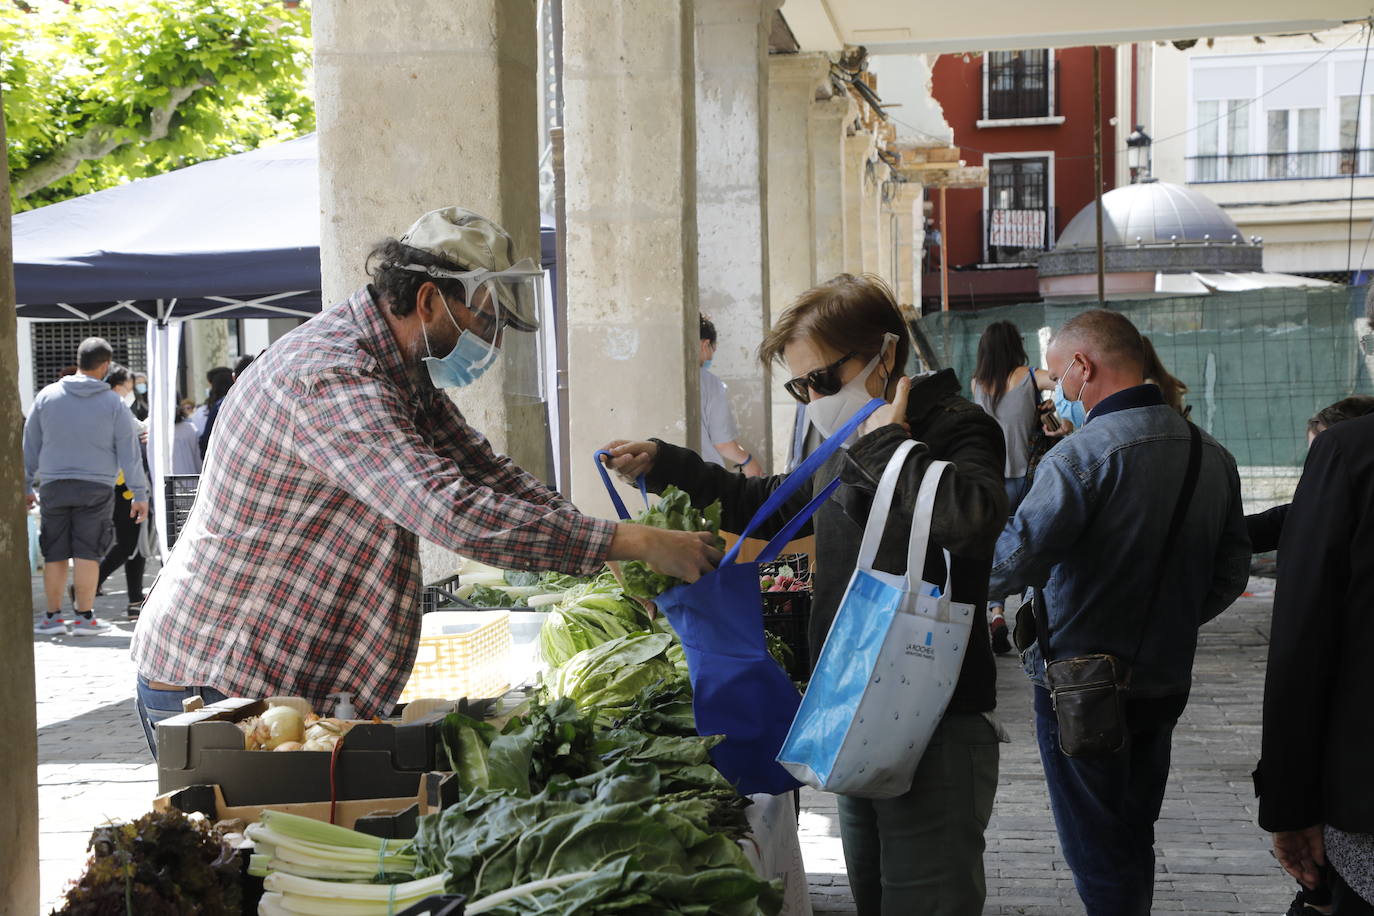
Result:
<point x="1281" y="166"/>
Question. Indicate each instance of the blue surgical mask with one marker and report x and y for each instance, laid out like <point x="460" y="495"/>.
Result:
<point x="707" y="364"/>
<point x="140" y="388"/>
<point x="1073" y="411"/>
<point x="470" y="357"/>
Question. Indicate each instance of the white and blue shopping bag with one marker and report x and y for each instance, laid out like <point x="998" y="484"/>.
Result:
<point x="889" y="665"/>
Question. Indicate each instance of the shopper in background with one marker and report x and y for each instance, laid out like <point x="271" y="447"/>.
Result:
<point x="125" y="550"/>
<point x="1005" y="385"/>
<point x="1171" y="387"/>
<point x="1318" y="724"/>
<point x="140" y="405"/>
<point x="719" y="435"/>
<point x="1267" y="527"/>
<point x="846" y="342"/>
<point x="186" y="458"/>
<point x="78" y="437"/>
<point x="298" y="570"/>
<point x="221" y="380"/>
<point x="1092" y="537"/>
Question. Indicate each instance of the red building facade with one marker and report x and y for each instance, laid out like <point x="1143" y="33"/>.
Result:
<point x="1028" y="116"/>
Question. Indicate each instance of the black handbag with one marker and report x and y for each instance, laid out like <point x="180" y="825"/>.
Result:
<point x="1088" y="691"/>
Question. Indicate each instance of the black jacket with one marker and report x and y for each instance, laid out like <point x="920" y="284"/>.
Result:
<point x="970" y="510"/>
<point x="1318" y="737"/>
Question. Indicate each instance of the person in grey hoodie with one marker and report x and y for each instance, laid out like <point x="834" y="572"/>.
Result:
<point x="77" y="439"/>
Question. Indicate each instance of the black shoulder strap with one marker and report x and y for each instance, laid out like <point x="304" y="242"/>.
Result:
<point x="1185" y="496"/>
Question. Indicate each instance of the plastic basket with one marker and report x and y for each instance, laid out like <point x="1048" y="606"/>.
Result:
<point x="463" y="654"/>
<point x="787" y="615"/>
<point x="179" y="495"/>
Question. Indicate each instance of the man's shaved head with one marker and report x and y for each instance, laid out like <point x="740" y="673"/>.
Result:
<point x="1108" y="337"/>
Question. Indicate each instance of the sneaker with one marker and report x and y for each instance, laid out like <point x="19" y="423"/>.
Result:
<point x="997" y="629"/>
<point x="88" y="625"/>
<point x="50" y="625"/>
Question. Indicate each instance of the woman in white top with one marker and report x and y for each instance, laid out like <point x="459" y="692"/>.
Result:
<point x="1006" y="387"/>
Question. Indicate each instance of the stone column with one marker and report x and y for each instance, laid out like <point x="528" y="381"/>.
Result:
<point x="858" y="146"/>
<point x="872" y="190"/>
<point x="731" y="169"/>
<point x="421" y="108"/>
<point x="906" y="206"/>
<point x="828" y="177"/>
<point x="630" y="157"/>
<point x="19" y="752"/>
<point x="793" y="80"/>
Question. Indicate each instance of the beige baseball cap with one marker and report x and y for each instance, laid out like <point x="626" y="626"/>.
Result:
<point x="473" y="242"/>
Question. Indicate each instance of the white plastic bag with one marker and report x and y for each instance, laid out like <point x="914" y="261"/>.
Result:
<point x="889" y="665"/>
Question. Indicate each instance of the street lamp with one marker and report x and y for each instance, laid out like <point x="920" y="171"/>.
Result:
<point x="1138" y="154"/>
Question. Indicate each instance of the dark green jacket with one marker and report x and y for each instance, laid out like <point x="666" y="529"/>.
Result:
<point x="970" y="511"/>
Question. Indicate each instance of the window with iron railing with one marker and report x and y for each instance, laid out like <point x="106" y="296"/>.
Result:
<point x="1019" y="84"/>
<point x="1019" y="220"/>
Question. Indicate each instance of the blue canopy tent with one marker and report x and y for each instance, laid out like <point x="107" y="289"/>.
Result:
<point x="237" y="237"/>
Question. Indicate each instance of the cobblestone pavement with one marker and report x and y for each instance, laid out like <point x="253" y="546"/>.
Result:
<point x="94" y="764"/>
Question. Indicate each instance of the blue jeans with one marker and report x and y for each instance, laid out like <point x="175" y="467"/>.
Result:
<point x="1105" y="808"/>
<point x="154" y="705"/>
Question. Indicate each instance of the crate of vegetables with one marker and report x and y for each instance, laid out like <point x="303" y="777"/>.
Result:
<point x="261" y="754"/>
<point x="786" y="587"/>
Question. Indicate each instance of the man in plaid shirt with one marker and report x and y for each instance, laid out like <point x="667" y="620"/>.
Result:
<point x="298" y="570"/>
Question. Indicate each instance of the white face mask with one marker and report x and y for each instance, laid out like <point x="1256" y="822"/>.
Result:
<point x="830" y="413"/>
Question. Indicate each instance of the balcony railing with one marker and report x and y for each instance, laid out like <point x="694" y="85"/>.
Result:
<point x="1281" y="166"/>
<point x="1017" y="236"/>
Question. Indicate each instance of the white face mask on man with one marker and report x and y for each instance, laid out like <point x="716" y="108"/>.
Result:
<point x="830" y="413"/>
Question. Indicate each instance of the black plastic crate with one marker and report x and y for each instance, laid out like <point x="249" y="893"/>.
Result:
<point x="787" y="615"/>
<point x="179" y="495"/>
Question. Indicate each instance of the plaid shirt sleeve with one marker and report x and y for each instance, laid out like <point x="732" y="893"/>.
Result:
<point x="455" y="439"/>
<point x="443" y="483"/>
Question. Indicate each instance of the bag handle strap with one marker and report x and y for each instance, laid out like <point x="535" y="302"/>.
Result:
<point x="610" y="487"/>
<point x="1185" y="496"/>
<point x="882" y="504"/>
<point x="789" y="531"/>
<point x="921" y="520"/>
<point x="799" y="477"/>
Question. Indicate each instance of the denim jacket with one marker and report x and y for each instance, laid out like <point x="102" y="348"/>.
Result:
<point x="1088" y="538"/>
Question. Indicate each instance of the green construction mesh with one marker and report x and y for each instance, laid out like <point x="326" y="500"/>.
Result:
<point x="1257" y="364"/>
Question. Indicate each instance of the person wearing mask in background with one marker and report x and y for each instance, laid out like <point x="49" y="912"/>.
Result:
<point x="125" y="551"/>
<point x="221" y="380"/>
<point x="1092" y="536"/>
<point x="1317" y="736"/>
<point x="719" y="435"/>
<point x="77" y="438"/>
<point x="298" y="572"/>
<point x="1005" y="385"/>
<point x="140" y="405"/>
<point x="846" y="342"/>
<point x="186" y="458"/>
<point x="1169" y="386"/>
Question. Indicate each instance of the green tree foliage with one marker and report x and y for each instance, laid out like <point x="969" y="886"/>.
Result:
<point x="101" y="92"/>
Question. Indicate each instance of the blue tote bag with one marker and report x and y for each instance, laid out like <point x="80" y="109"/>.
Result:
<point x="738" y="689"/>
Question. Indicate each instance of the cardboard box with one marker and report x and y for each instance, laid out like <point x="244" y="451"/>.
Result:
<point x="377" y="761"/>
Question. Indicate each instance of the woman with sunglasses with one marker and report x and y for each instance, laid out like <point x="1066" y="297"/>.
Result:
<point x="844" y="343"/>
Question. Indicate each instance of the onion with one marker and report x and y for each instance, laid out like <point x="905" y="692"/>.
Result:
<point x="283" y="724"/>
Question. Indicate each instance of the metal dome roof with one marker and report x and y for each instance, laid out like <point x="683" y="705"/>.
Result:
<point x="1151" y="213"/>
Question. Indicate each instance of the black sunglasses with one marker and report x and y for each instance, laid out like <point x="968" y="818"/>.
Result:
<point x="824" y="381"/>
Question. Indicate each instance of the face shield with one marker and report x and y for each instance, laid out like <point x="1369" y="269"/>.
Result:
<point x="500" y="301"/>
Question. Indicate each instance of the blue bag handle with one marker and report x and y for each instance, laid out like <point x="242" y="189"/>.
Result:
<point x="797" y="479"/>
<point x="789" y="531"/>
<point x="610" y="487"/>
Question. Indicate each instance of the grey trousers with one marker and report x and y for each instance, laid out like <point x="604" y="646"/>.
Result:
<point x="922" y="852"/>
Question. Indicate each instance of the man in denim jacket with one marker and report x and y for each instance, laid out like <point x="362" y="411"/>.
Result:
<point x="1089" y="537"/>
